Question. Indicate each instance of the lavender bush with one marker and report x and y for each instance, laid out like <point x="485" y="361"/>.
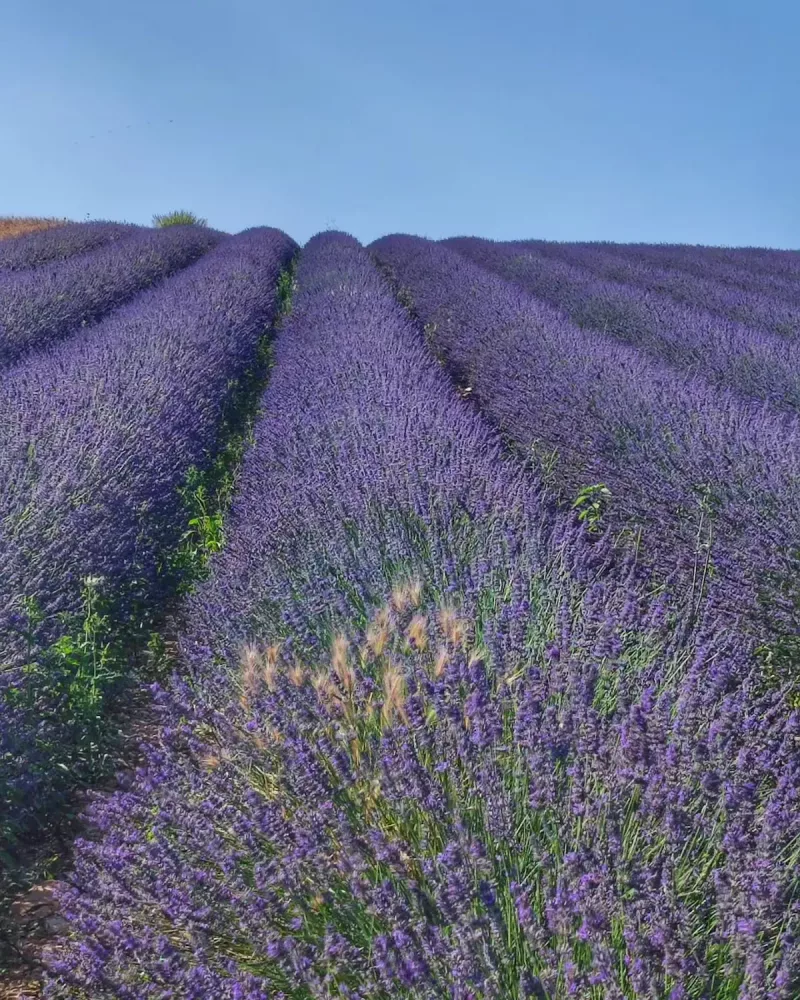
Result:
<point x="685" y="462"/>
<point x="45" y="304"/>
<point x="98" y="435"/>
<point x="760" y="310"/>
<point x="758" y="366"/>
<point x="516" y="778"/>
<point x="48" y="246"/>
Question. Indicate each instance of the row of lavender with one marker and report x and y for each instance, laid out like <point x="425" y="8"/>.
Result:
<point x="773" y="272"/>
<point x="98" y="433"/>
<point x="48" y="302"/>
<point x="516" y="777"/>
<point x="751" y="361"/>
<point x="49" y="246"/>
<point x="763" y="305"/>
<point x="687" y="463"/>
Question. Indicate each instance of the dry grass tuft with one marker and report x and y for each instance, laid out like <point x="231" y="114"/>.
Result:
<point x="394" y="694"/>
<point x="251" y="674"/>
<point x="407" y="594"/>
<point x="258" y="668"/>
<point x="11" y="225"/>
<point x="441" y="662"/>
<point x="380" y="631"/>
<point x="453" y="628"/>
<point x="297" y="675"/>
<point x="417" y="632"/>
<point x="341" y="664"/>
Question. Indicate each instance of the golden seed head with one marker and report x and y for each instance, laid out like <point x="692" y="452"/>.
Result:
<point x="250" y="663"/>
<point x="249" y="657"/>
<point x="400" y="598"/>
<point x="417" y="632"/>
<point x="297" y="675"/>
<point x="271" y="735"/>
<point x="459" y="634"/>
<point x="447" y="617"/>
<point x="394" y="694"/>
<point x="453" y="628"/>
<point x="320" y="682"/>
<point x="377" y="639"/>
<point x="339" y="649"/>
<point x="341" y="664"/>
<point x="440" y="664"/>
<point x="407" y="594"/>
<point x="383" y="617"/>
<point x="271" y="675"/>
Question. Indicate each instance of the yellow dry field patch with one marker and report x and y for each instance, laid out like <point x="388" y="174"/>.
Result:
<point x="13" y="226"/>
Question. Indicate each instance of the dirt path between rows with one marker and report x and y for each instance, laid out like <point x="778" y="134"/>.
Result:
<point x="36" y="924"/>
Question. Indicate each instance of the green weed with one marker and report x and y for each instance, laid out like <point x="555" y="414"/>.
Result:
<point x="591" y="504"/>
<point x="179" y="218"/>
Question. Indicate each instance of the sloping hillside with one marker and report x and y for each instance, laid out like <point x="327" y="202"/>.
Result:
<point x="456" y="586"/>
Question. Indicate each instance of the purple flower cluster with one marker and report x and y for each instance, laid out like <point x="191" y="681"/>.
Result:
<point x="514" y="779"/>
<point x="757" y="365"/>
<point x="48" y="246"/>
<point x="98" y="433"/>
<point x="761" y="310"/>
<point x="686" y="462"/>
<point x="392" y="819"/>
<point x="42" y="305"/>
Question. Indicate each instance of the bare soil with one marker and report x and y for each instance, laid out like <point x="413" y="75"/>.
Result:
<point x="13" y="226"/>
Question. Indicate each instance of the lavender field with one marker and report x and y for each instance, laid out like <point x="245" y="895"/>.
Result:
<point x="460" y="581"/>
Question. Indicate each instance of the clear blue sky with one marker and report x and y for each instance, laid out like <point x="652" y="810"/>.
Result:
<point x="652" y="120"/>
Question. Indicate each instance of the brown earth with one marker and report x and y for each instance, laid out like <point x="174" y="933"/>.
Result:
<point x="12" y="226"/>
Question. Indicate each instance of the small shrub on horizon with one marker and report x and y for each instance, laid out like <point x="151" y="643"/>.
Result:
<point x="179" y="218"/>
